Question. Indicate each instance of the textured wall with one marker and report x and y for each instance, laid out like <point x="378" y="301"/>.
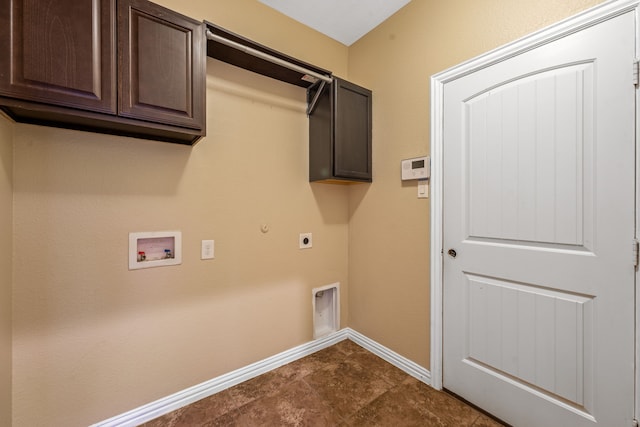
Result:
<point x="93" y="339"/>
<point x="6" y="256"/>
<point x="389" y="226"/>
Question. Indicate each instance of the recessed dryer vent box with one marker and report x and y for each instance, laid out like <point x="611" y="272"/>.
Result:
<point x="155" y="249"/>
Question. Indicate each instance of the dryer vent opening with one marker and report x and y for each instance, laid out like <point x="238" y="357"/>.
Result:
<point x="326" y="310"/>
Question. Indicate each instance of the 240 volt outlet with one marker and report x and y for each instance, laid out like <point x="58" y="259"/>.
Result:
<point x="306" y="241"/>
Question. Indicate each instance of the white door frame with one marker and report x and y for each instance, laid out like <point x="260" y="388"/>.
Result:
<point x="587" y="18"/>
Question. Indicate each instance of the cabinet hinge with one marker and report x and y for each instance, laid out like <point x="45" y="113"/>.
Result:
<point x="634" y="423"/>
<point x="636" y="72"/>
<point x="636" y="252"/>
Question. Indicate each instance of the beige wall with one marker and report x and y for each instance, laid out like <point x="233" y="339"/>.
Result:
<point x="6" y="256"/>
<point x="389" y="226"/>
<point x="93" y="339"/>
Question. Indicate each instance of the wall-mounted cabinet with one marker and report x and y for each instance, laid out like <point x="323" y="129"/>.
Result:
<point x="339" y="111"/>
<point x="340" y="133"/>
<point x="125" y="67"/>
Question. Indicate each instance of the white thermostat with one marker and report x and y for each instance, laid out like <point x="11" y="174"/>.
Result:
<point x="416" y="168"/>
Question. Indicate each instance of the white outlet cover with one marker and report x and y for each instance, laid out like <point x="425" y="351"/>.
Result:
<point x="306" y="241"/>
<point x="207" y="250"/>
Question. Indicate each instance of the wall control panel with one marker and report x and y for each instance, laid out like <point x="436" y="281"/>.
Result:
<point x="416" y="168"/>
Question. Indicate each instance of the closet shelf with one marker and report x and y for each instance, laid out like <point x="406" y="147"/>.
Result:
<point x="252" y="56"/>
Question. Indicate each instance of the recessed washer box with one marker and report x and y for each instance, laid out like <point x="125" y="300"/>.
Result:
<point x="154" y="249"/>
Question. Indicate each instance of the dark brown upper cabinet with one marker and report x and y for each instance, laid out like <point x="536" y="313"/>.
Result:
<point x="158" y="49"/>
<point x="340" y="133"/>
<point x="124" y="67"/>
<point x="57" y="52"/>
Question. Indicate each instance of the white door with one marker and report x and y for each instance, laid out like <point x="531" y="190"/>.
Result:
<point x="538" y="225"/>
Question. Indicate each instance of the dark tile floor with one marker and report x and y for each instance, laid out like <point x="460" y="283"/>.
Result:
<point x="343" y="385"/>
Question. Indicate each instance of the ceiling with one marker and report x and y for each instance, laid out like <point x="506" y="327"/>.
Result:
<point x="343" y="20"/>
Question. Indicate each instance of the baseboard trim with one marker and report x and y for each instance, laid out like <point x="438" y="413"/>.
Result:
<point x="190" y="395"/>
<point x="390" y="356"/>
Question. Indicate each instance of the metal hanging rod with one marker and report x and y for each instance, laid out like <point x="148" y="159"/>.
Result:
<point x="267" y="57"/>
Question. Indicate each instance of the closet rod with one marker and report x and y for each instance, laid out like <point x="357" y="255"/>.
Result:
<point x="267" y="57"/>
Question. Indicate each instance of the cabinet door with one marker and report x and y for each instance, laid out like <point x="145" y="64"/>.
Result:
<point x="59" y="52"/>
<point x="352" y="137"/>
<point x="162" y="59"/>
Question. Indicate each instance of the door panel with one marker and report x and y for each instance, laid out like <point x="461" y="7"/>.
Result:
<point x="539" y="336"/>
<point x="526" y="146"/>
<point x="539" y="205"/>
<point x="162" y="64"/>
<point x="352" y="135"/>
<point x="59" y="52"/>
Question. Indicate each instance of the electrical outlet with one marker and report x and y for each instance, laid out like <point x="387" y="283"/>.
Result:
<point x="305" y="241"/>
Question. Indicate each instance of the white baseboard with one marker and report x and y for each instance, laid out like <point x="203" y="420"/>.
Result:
<point x="175" y="401"/>
<point x="390" y="356"/>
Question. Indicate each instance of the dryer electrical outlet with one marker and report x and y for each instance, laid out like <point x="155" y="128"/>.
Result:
<point x="306" y="241"/>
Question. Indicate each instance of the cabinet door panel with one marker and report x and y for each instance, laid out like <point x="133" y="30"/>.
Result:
<point x="162" y="65"/>
<point x="59" y="52"/>
<point x="352" y="139"/>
